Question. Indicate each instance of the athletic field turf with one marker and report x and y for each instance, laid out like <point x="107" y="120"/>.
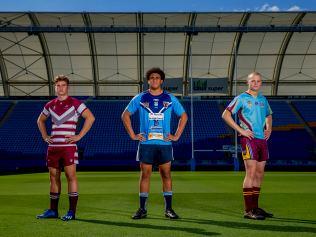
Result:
<point x="209" y="203"/>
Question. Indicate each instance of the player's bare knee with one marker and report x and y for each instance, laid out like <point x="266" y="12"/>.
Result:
<point x="165" y="175"/>
<point x="145" y="175"/>
<point x="54" y="178"/>
<point x="259" y="175"/>
<point x="71" y="177"/>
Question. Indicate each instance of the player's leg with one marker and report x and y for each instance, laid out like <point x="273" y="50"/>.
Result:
<point x="264" y="156"/>
<point x="144" y="186"/>
<point x="250" y="156"/>
<point x="257" y="182"/>
<point x="250" y="168"/>
<point x="145" y="155"/>
<point x="70" y="160"/>
<point x="55" y="187"/>
<point x="55" y="183"/>
<point x="165" y="158"/>
<point x="70" y="172"/>
<point x="165" y="173"/>
<point x="144" y="179"/>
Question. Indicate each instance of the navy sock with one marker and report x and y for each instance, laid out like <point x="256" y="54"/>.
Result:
<point x="168" y="199"/>
<point x="143" y="200"/>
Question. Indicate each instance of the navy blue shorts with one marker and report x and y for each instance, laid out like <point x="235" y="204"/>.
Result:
<point x="154" y="154"/>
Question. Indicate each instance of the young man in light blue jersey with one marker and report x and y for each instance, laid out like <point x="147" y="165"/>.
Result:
<point x="255" y="117"/>
<point x="155" y="107"/>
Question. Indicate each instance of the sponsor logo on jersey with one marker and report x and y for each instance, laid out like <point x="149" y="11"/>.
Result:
<point x="156" y="116"/>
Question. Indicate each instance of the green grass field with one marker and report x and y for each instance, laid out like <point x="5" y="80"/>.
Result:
<point x="209" y="203"/>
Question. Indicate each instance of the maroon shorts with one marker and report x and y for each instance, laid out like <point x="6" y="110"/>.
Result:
<point x="58" y="157"/>
<point x="254" y="149"/>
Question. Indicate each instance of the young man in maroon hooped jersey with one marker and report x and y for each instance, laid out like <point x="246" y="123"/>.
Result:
<point x="62" y="148"/>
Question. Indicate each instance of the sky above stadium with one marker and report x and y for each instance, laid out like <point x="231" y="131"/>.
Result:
<point x="156" y="6"/>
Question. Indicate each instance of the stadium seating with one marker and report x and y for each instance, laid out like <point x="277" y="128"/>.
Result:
<point x="4" y="106"/>
<point x="307" y="109"/>
<point x="288" y="130"/>
<point x="20" y="138"/>
<point x="283" y="115"/>
<point x="107" y="144"/>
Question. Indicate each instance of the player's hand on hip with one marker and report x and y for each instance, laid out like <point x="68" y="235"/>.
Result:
<point x="139" y="137"/>
<point x="171" y="137"/>
<point x="267" y="134"/>
<point x="72" y="139"/>
<point x="48" y="139"/>
<point x="247" y="133"/>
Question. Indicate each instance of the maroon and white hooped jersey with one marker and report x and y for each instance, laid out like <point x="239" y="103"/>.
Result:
<point x="64" y="116"/>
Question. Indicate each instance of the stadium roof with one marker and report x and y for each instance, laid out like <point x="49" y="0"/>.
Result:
<point x="109" y="53"/>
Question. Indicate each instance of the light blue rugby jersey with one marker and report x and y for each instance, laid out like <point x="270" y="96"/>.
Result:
<point x="155" y="115"/>
<point x="252" y="112"/>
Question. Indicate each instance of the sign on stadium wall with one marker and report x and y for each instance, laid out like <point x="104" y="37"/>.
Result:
<point x="200" y="85"/>
<point x="173" y="85"/>
<point x="210" y="85"/>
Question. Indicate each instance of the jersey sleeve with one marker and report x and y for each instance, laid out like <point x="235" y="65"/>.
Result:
<point x="45" y="110"/>
<point x="235" y="105"/>
<point x="134" y="104"/>
<point x="268" y="109"/>
<point x="79" y="106"/>
<point x="177" y="106"/>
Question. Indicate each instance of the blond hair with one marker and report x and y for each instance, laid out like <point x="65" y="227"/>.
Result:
<point x="61" y="78"/>
<point x="251" y="75"/>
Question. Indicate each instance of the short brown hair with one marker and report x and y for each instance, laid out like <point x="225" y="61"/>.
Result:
<point x="155" y="70"/>
<point x="61" y="78"/>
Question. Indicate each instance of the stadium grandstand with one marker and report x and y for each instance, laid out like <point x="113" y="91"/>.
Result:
<point x="106" y="56"/>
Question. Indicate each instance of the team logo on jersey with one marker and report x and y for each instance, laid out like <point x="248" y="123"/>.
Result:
<point x="249" y="103"/>
<point x="166" y="104"/>
<point x="256" y="103"/>
<point x="156" y="101"/>
<point x="261" y="104"/>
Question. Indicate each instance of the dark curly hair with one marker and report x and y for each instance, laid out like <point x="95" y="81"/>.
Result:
<point x="155" y="70"/>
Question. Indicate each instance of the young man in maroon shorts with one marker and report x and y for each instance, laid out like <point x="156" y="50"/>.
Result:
<point x="62" y="148"/>
<point x="255" y="116"/>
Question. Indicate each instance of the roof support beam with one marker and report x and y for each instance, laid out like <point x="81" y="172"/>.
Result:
<point x="93" y="53"/>
<point x="187" y="55"/>
<point x="232" y="62"/>
<point x="45" y="49"/>
<point x="140" y="51"/>
<point x="32" y="29"/>
<point x="4" y="76"/>
<point x="283" y="48"/>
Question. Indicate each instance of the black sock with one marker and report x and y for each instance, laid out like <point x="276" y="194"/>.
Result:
<point x="168" y="199"/>
<point x="143" y="200"/>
